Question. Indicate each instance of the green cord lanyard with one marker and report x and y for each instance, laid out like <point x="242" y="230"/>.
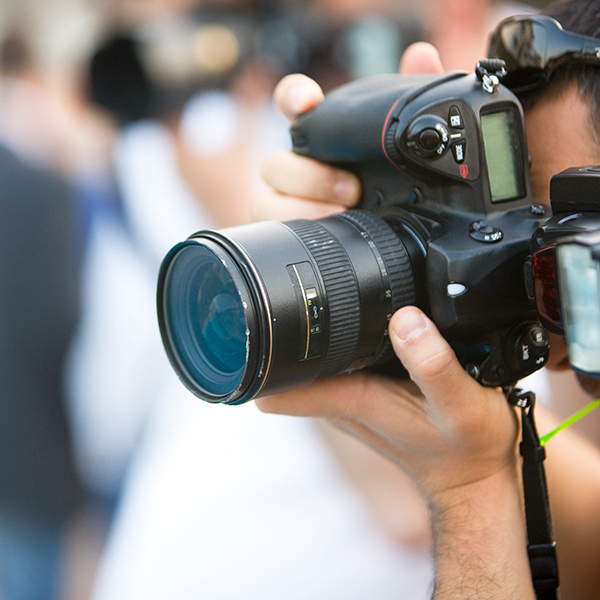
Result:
<point x="572" y="419"/>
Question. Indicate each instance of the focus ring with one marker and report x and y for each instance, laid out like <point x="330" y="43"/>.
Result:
<point x="341" y="288"/>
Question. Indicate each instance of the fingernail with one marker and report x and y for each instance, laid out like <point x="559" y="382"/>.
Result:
<point x="409" y="324"/>
<point x="345" y="190"/>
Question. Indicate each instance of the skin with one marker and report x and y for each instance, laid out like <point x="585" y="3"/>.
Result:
<point x="568" y="113"/>
<point x="455" y="439"/>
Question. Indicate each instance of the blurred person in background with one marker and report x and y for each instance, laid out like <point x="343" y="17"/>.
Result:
<point x="39" y="307"/>
<point x="51" y="145"/>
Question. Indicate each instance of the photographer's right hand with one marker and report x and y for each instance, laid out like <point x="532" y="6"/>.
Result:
<point x="306" y="188"/>
<point x="302" y="187"/>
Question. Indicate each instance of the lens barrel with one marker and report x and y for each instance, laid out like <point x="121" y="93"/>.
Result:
<point x="263" y="308"/>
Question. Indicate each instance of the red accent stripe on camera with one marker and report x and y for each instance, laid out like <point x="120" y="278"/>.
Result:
<point x="385" y="126"/>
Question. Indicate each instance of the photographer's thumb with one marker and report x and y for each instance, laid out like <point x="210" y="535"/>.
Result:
<point x="429" y="359"/>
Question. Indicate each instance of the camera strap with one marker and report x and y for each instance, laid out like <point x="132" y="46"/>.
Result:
<point x="541" y="546"/>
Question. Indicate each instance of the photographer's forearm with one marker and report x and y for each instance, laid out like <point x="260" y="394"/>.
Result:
<point x="480" y="542"/>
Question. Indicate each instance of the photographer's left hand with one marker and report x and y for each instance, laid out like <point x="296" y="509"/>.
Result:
<point x="455" y="439"/>
<point x="443" y="428"/>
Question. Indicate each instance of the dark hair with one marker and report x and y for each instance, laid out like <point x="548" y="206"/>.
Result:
<point x="583" y="17"/>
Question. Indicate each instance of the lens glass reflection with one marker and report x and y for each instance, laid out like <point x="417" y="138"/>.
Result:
<point x="206" y="320"/>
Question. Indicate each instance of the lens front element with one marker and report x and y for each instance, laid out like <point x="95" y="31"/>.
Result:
<point x="205" y="320"/>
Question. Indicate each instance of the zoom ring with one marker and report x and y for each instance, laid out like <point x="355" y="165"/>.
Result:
<point x="341" y="288"/>
<point x="397" y="264"/>
<point x="393" y="253"/>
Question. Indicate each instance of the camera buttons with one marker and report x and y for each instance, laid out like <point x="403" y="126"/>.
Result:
<point x="481" y="231"/>
<point x="459" y="150"/>
<point x="428" y="136"/>
<point x="455" y="118"/>
<point x="532" y="346"/>
<point x="430" y="139"/>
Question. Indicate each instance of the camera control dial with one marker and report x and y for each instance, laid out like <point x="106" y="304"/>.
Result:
<point x="481" y="231"/>
<point x="428" y="136"/>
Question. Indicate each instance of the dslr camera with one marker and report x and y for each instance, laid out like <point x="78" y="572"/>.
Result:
<point x="446" y="223"/>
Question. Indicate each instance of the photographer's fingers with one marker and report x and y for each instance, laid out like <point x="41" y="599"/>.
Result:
<point x="425" y="353"/>
<point x="302" y="188"/>
<point x="274" y="206"/>
<point x="320" y="399"/>
<point x="295" y="94"/>
<point x="461" y="404"/>
<point x="428" y="357"/>
<point x="420" y="58"/>
<point x="303" y="177"/>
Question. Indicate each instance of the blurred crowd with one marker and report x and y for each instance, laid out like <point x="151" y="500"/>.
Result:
<point x="125" y="126"/>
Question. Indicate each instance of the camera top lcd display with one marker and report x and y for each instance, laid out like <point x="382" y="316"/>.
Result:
<point x="499" y="142"/>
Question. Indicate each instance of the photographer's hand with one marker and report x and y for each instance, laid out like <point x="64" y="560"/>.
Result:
<point x="305" y="188"/>
<point x="454" y="438"/>
<point x="302" y="187"/>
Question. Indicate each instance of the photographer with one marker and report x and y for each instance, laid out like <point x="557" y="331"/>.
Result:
<point x="456" y="439"/>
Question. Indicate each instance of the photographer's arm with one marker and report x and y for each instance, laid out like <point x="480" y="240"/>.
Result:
<point x="456" y="441"/>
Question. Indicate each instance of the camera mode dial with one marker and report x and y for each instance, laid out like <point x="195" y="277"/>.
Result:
<point x="428" y="136"/>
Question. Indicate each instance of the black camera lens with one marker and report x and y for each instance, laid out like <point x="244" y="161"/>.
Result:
<point x="268" y="307"/>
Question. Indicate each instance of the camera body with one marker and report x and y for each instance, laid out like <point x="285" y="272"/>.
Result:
<point x="445" y="163"/>
<point x="445" y="223"/>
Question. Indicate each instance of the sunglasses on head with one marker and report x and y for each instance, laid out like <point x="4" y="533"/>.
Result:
<point x="533" y="46"/>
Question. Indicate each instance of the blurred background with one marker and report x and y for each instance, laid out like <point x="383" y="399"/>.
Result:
<point x="126" y="125"/>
